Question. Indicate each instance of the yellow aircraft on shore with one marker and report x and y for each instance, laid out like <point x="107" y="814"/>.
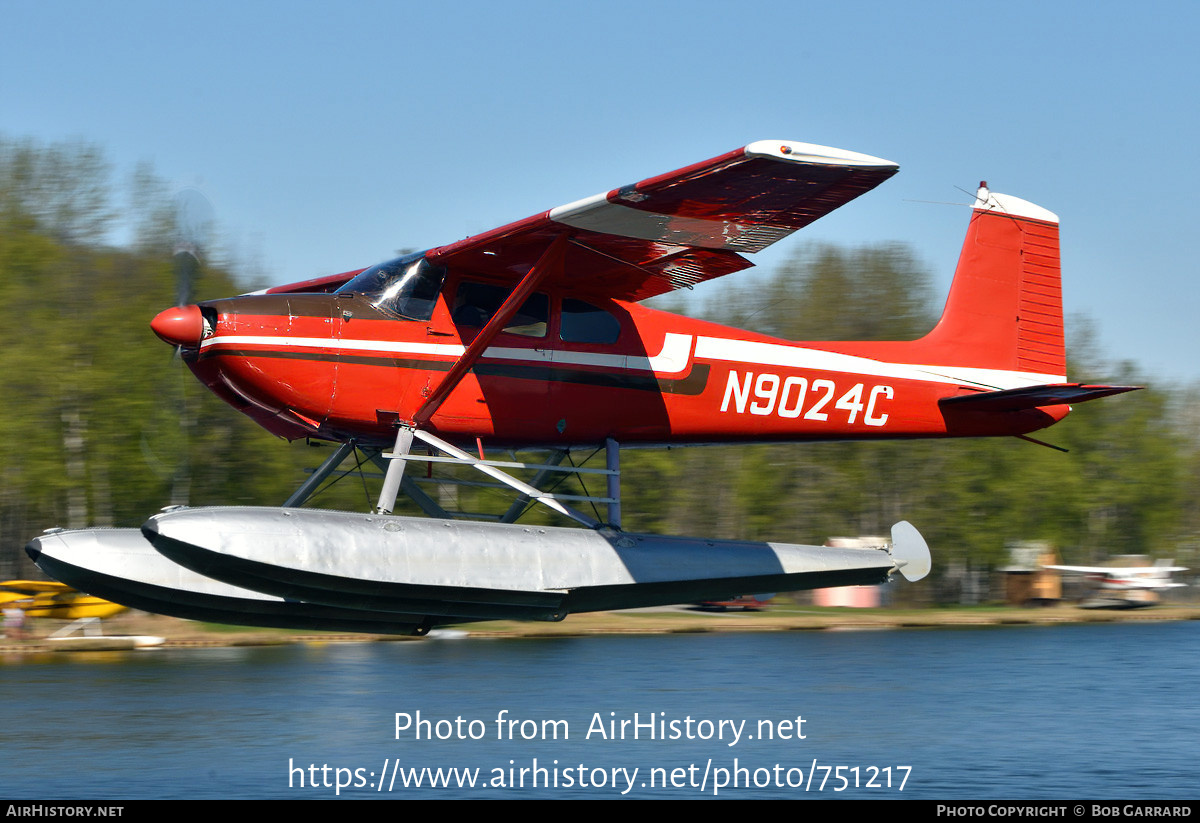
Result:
<point x="46" y="598"/>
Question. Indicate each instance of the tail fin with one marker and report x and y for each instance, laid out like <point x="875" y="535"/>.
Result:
<point x="1004" y="314"/>
<point x="1005" y="305"/>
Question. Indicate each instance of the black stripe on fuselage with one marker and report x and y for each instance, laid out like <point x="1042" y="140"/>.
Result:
<point x="690" y="385"/>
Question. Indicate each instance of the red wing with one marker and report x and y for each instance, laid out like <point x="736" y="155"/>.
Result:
<point x="681" y="228"/>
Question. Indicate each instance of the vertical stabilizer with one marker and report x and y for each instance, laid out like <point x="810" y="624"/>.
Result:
<point x="1005" y="305"/>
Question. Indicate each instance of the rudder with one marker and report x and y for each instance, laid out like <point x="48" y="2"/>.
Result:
<point x="1005" y="305"/>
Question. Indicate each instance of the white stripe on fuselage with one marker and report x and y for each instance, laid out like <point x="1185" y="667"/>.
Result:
<point x="797" y="357"/>
<point x="672" y="359"/>
<point x="675" y="356"/>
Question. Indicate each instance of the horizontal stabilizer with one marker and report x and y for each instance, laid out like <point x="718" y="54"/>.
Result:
<point x="1032" y="397"/>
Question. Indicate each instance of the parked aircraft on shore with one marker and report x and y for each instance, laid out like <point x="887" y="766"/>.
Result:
<point x="1126" y="586"/>
<point x="40" y="598"/>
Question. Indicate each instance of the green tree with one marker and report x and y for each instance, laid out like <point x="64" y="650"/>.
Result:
<point x="827" y="292"/>
<point x="92" y="402"/>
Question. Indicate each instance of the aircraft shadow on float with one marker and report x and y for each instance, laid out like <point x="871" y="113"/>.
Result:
<point x="532" y="336"/>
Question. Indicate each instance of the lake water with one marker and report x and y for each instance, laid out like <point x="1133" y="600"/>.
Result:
<point x="1095" y="711"/>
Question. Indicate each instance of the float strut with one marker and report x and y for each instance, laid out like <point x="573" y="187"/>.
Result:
<point x="395" y="470"/>
<point x="318" y="477"/>
<point x="612" y="462"/>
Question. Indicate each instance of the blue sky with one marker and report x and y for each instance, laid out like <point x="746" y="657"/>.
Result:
<point x="328" y="136"/>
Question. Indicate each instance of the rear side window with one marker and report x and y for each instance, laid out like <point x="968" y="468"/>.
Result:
<point x="584" y="323"/>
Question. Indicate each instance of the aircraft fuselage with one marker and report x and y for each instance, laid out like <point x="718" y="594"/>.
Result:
<point x="572" y="372"/>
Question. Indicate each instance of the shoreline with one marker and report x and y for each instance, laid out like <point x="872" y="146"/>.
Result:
<point x="178" y="633"/>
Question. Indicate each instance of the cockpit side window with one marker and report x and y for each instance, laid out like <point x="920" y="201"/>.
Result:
<point x="584" y="323"/>
<point x="406" y="287"/>
<point x="475" y="303"/>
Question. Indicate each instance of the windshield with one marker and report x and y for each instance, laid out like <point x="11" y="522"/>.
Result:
<point x="407" y="287"/>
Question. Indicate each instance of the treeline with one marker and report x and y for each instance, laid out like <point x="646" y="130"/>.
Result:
<point x="104" y="426"/>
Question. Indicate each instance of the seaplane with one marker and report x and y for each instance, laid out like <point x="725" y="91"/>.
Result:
<point x="534" y="336"/>
<point x="1125" y="587"/>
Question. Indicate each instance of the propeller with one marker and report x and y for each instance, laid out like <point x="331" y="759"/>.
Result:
<point x="183" y="324"/>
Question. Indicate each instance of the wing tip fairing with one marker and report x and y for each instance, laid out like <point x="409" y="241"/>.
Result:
<point x="817" y="155"/>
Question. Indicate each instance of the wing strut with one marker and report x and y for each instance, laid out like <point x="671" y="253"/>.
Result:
<point x="549" y="263"/>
